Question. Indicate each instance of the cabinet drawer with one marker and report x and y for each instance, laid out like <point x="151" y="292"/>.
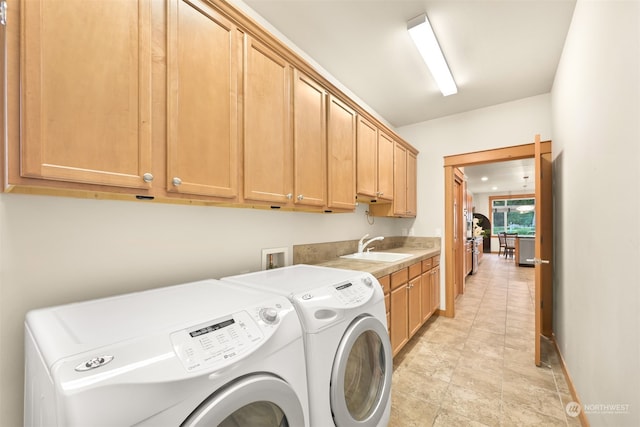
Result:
<point x="427" y="264"/>
<point x="385" y="282"/>
<point x="415" y="270"/>
<point x="436" y="260"/>
<point x="400" y="277"/>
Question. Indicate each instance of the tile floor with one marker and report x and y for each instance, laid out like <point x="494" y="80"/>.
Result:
<point x="477" y="369"/>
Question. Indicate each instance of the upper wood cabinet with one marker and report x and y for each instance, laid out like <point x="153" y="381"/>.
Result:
<point x="341" y="155"/>
<point x="400" y="175"/>
<point x="367" y="155"/>
<point x="385" y="166"/>
<point x="186" y="101"/>
<point x="405" y="185"/>
<point x="268" y="153"/>
<point x="309" y="141"/>
<point x="374" y="163"/>
<point x="203" y="59"/>
<point x="412" y="184"/>
<point x="85" y="97"/>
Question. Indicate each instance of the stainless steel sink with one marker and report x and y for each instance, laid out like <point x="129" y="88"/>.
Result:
<point x="377" y="256"/>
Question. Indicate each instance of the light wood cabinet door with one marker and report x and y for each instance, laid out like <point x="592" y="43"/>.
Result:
<point x="414" y="314"/>
<point x="412" y="184"/>
<point x="426" y="306"/>
<point x="374" y="162"/>
<point x="341" y="155"/>
<point x="435" y="286"/>
<point x="385" y="166"/>
<point x="86" y="92"/>
<point x="268" y="170"/>
<point x="367" y="159"/>
<point x="202" y="124"/>
<point x="399" y="318"/>
<point x="309" y="141"/>
<point x="400" y="177"/>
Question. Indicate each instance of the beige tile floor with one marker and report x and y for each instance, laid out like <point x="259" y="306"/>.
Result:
<point x="477" y="369"/>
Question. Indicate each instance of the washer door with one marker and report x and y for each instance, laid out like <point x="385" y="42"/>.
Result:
<point x="255" y="400"/>
<point x="361" y="375"/>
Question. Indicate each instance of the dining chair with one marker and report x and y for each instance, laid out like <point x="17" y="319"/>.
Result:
<point x="502" y="239"/>
<point x="510" y="244"/>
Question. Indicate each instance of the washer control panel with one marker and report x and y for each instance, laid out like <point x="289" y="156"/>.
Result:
<point x="350" y="293"/>
<point x="220" y="342"/>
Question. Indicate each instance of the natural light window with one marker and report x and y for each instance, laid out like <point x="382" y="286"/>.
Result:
<point x="515" y="214"/>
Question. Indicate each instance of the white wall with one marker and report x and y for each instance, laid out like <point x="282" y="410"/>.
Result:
<point x="596" y="129"/>
<point x="60" y="250"/>
<point x="503" y="125"/>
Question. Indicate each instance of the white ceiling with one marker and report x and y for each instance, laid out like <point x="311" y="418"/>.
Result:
<point x="498" y="51"/>
<point x="507" y="177"/>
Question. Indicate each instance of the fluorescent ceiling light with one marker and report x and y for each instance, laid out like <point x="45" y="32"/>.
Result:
<point x="427" y="44"/>
<point x="484" y="178"/>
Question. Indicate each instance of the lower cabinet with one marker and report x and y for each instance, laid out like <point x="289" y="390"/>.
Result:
<point x="385" y="283"/>
<point x="435" y="287"/>
<point x="414" y="306"/>
<point x="399" y="310"/>
<point x="435" y="284"/>
<point x="412" y="296"/>
<point x="426" y="290"/>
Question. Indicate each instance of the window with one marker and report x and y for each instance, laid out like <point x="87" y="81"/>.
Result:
<point x="513" y="214"/>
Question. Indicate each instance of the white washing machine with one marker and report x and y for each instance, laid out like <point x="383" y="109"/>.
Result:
<point x="349" y="362"/>
<point x="202" y="353"/>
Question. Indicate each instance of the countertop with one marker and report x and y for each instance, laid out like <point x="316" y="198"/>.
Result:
<point x="379" y="268"/>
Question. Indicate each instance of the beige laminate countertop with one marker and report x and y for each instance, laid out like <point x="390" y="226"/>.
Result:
<point x="381" y="268"/>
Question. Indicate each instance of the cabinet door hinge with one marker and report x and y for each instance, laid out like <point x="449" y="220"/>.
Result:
<point x="3" y="13"/>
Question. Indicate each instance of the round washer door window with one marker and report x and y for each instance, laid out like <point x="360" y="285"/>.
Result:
<point x="257" y="400"/>
<point x="361" y="376"/>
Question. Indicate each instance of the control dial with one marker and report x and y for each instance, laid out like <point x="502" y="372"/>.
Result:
<point x="367" y="281"/>
<point x="269" y="315"/>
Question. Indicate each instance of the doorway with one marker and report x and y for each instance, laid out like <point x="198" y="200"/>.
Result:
<point x="451" y="165"/>
<point x="541" y="153"/>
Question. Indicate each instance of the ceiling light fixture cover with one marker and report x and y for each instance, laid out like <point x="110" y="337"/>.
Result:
<point x="425" y="40"/>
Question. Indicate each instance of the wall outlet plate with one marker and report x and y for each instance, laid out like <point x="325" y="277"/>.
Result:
<point x="275" y="258"/>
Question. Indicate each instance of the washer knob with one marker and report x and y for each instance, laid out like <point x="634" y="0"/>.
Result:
<point x="367" y="281"/>
<point x="269" y="315"/>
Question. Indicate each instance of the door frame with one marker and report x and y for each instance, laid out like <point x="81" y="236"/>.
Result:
<point x="451" y="163"/>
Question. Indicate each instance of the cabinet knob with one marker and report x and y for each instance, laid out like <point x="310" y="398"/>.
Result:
<point x="147" y="177"/>
<point x="176" y="181"/>
<point x="300" y="197"/>
<point x="289" y="196"/>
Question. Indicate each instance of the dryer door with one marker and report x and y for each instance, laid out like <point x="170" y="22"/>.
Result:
<point x="256" y="400"/>
<point x="361" y="375"/>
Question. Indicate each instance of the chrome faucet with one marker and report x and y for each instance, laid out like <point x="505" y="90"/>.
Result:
<point x="362" y="246"/>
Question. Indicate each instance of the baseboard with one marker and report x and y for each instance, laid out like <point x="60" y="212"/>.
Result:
<point x="572" y="389"/>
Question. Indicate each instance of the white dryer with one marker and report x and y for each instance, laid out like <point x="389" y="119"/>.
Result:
<point x="203" y="353"/>
<point x="349" y="362"/>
